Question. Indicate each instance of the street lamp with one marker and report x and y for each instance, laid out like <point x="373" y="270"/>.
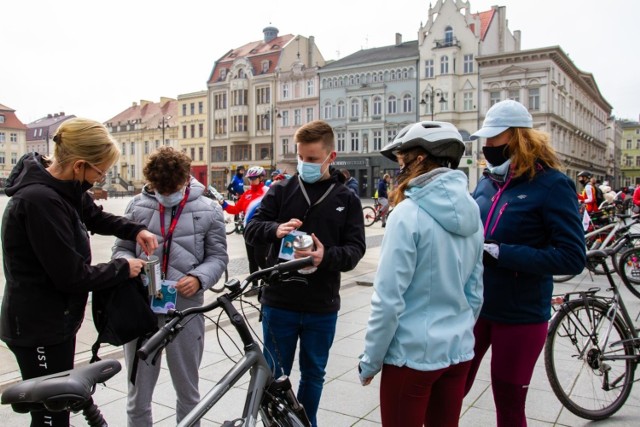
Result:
<point x="431" y="92"/>
<point x="163" y="124"/>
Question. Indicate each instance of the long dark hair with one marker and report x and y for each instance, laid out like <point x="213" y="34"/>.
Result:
<point x="414" y="169"/>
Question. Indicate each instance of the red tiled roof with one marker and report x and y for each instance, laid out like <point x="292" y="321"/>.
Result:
<point x="485" y="21"/>
<point x="148" y="113"/>
<point x="255" y="52"/>
<point x="11" y="121"/>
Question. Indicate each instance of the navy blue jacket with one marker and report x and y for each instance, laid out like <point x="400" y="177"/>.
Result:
<point x="537" y="225"/>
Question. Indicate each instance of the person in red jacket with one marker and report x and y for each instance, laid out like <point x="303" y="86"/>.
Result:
<point x="636" y="200"/>
<point x="247" y="203"/>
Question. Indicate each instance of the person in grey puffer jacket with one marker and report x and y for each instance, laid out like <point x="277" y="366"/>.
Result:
<point x="192" y="252"/>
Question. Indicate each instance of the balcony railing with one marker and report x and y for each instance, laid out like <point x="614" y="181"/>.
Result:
<point x="447" y="43"/>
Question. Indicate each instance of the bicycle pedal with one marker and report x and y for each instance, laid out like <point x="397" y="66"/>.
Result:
<point x="238" y="422"/>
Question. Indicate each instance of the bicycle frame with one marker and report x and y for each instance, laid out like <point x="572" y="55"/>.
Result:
<point x="252" y="361"/>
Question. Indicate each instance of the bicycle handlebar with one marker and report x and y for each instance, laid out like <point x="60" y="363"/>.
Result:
<point x="166" y="333"/>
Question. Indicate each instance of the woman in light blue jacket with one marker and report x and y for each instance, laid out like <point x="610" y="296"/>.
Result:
<point x="428" y="288"/>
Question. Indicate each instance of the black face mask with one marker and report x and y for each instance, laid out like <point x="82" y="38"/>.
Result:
<point x="85" y="185"/>
<point x="496" y="155"/>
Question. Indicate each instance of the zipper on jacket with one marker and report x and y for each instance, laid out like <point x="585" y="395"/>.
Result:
<point x="495" y="224"/>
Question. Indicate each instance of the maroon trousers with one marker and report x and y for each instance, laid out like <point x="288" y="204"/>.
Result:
<point x="514" y="351"/>
<point x="409" y="397"/>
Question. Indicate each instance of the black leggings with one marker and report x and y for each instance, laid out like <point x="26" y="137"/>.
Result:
<point x="46" y="360"/>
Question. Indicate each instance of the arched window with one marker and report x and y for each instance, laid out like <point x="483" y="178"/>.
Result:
<point x="324" y="83"/>
<point x="405" y="73"/>
<point x="448" y="35"/>
<point x="393" y="74"/>
<point x="341" y="112"/>
<point x="377" y="106"/>
<point x="407" y="103"/>
<point x="327" y="110"/>
<point x="355" y="108"/>
<point x="392" y="105"/>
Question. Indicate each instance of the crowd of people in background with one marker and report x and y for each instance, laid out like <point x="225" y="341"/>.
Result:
<point x="448" y="298"/>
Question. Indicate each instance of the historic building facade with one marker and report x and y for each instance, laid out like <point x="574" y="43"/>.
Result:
<point x="193" y="131"/>
<point x="13" y="141"/>
<point x="40" y="132"/>
<point x="563" y="100"/>
<point x="367" y="97"/>
<point x="449" y="44"/>
<point x="139" y="130"/>
<point x="241" y="102"/>
<point x="630" y="164"/>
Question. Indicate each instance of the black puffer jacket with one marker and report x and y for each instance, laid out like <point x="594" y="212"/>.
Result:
<point x="337" y="222"/>
<point x="47" y="256"/>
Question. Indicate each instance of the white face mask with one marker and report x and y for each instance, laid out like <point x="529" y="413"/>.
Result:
<point x="171" y="200"/>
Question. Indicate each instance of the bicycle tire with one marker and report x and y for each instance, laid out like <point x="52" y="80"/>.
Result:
<point x="572" y="359"/>
<point x="629" y="270"/>
<point x="229" y="223"/>
<point x="561" y="279"/>
<point x="369" y="215"/>
<point x="219" y="285"/>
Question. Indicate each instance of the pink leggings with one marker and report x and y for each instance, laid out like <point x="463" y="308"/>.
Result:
<point x="409" y="397"/>
<point x="514" y="351"/>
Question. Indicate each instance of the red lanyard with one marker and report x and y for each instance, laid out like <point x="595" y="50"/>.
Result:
<point x="166" y="245"/>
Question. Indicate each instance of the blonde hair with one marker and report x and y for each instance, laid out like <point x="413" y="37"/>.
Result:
<point x="527" y="147"/>
<point x="84" y="139"/>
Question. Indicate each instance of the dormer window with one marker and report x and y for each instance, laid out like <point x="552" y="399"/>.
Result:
<point x="223" y="73"/>
<point x="1" y="118"/>
<point x="241" y="73"/>
<point x="265" y="67"/>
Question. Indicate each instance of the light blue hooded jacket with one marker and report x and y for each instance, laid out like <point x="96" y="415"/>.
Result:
<point x="428" y="287"/>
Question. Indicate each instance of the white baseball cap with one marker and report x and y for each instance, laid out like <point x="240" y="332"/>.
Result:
<point x="502" y="116"/>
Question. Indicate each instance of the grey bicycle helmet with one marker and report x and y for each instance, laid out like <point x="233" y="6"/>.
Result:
<point x="441" y="140"/>
<point x="586" y="174"/>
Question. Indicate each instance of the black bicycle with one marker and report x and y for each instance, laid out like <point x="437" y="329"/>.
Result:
<point x="592" y="347"/>
<point x="271" y="399"/>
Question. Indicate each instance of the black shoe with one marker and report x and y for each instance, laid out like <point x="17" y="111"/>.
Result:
<point x="384" y="225"/>
<point x="252" y="292"/>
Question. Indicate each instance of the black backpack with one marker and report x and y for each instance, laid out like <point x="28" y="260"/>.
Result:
<point x="121" y="314"/>
<point x="599" y="195"/>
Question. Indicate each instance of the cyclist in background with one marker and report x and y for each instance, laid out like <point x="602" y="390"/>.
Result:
<point x="236" y="186"/>
<point x="588" y="195"/>
<point x="383" y="197"/>
<point x="532" y="231"/>
<point x="247" y="203"/>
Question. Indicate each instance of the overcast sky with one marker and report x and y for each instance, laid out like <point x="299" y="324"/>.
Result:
<point x="94" y="58"/>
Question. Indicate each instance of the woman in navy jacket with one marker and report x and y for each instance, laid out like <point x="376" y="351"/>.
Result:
<point x="532" y="231"/>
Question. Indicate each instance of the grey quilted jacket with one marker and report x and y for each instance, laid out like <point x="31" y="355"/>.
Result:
<point x="199" y="244"/>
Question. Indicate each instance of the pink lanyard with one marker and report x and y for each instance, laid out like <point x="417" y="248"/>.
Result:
<point x="166" y="245"/>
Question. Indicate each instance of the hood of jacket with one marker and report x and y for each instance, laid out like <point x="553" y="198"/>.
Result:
<point x="31" y="169"/>
<point x="443" y="193"/>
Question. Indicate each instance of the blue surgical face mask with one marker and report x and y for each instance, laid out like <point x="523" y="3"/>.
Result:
<point x="311" y="172"/>
<point x="171" y="200"/>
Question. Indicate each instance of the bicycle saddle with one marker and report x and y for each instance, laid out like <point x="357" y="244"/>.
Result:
<point x="61" y="391"/>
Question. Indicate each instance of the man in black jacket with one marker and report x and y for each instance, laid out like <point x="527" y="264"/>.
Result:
<point x="314" y="202"/>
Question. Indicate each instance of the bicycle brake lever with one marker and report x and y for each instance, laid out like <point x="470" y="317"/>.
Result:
<point x="284" y="278"/>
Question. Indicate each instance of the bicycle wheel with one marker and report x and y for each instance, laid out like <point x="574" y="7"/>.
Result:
<point x="560" y="279"/>
<point x="219" y="285"/>
<point x="629" y="270"/>
<point x="229" y="223"/>
<point x="583" y="368"/>
<point x="369" y="215"/>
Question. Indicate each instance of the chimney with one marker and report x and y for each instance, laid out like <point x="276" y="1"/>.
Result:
<point x="49" y="116"/>
<point x="134" y="104"/>
<point x="310" y="48"/>
<point x="398" y="39"/>
<point x="61" y="114"/>
<point x="270" y="33"/>
<point x="518" y="36"/>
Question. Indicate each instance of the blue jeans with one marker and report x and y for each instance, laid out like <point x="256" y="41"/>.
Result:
<point x="316" y="333"/>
